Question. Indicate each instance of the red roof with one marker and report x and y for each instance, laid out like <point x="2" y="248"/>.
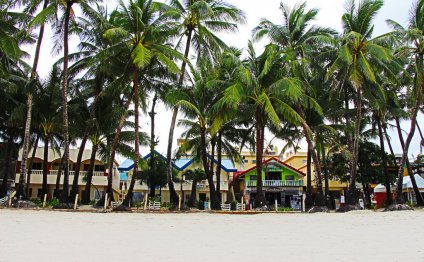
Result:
<point x="242" y="173"/>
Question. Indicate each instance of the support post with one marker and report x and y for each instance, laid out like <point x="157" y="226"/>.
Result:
<point x="44" y="201"/>
<point x="76" y="201"/>
<point x="179" y="202"/>
<point x="276" y="205"/>
<point x="209" y="205"/>
<point x="242" y="203"/>
<point x="106" y="200"/>
<point x="145" y="201"/>
<point x="303" y="202"/>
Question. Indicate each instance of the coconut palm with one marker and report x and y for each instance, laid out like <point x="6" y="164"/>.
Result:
<point x="142" y="28"/>
<point x="199" y="20"/>
<point x="413" y="48"/>
<point x="359" y="59"/>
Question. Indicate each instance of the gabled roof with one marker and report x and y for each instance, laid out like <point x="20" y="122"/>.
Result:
<point x="265" y="162"/>
<point x="179" y="164"/>
<point x="128" y="164"/>
<point x="226" y="164"/>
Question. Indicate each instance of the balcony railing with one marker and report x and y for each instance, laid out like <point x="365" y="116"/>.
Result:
<point x="276" y="183"/>
<point x="71" y="172"/>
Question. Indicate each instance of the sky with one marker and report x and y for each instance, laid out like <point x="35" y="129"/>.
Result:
<point x="330" y="12"/>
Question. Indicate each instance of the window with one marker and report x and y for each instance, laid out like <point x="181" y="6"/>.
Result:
<point x="246" y="160"/>
<point x="253" y="177"/>
<point x="303" y="161"/>
<point x="290" y="177"/>
<point x="254" y="161"/>
<point x="99" y="168"/>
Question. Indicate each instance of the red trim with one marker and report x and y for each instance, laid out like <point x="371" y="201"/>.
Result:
<point x="242" y="173"/>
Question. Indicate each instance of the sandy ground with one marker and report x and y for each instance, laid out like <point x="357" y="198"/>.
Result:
<point x="355" y="236"/>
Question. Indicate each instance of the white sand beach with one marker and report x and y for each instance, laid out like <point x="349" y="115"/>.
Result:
<point x="355" y="236"/>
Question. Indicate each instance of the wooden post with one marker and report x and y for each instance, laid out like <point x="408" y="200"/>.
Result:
<point x="209" y="205"/>
<point x="105" y="201"/>
<point x="76" y="201"/>
<point x="10" y="201"/>
<point x="303" y="202"/>
<point x="145" y="201"/>
<point x="44" y="201"/>
<point x="242" y="205"/>
<point x="179" y="202"/>
<point x="276" y="205"/>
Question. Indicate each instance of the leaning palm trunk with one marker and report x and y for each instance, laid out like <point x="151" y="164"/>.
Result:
<point x="173" y="194"/>
<point x="126" y="203"/>
<point x="64" y="199"/>
<point x="192" y="199"/>
<point x="25" y="147"/>
<point x="74" y="190"/>
<point x="34" y="150"/>
<point x="319" y="198"/>
<point x="218" y="165"/>
<point x="308" y="199"/>
<point x="384" y="158"/>
<point x="420" y="201"/>
<point x="115" y="143"/>
<point x="87" y="191"/>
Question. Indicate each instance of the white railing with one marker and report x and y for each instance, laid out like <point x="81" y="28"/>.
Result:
<point x="276" y="183"/>
<point x="204" y="183"/>
<point x="71" y="172"/>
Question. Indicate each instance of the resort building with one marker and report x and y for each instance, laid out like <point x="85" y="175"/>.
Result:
<point x="99" y="182"/>
<point x="298" y="161"/>
<point x="183" y="186"/>
<point x="281" y="183"/>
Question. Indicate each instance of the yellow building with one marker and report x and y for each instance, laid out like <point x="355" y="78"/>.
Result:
<point x="298" y="160"/>
<point x="99" y="182"/>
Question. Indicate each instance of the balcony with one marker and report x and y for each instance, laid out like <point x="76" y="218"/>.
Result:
<point x="99" y="177"/>
<point x="276" y="183"/>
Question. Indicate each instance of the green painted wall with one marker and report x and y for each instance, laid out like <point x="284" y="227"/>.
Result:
<point x="285" y="172"/>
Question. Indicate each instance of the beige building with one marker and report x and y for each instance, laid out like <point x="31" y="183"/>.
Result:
<point x="99" y="182"/>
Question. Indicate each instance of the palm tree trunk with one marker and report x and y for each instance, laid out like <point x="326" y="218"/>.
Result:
<point x="418" y="195"/>
<point x="352" y="196"/>
<point x="6" y="171"/>
<point x="218" y="165"/>
<point x="25" y="147"/>
<point x="384" y="161"/>
<point x="64" y="197"/>
<point x="59" y="174"/>
<point x="192" y="199"/>
<point x="128" y="198"/>
<point x="308" y="199"/>
<point x="215" y="203"/>
<point x="113" y="153"/>
<point x="45" y="165"/>
<point x="87" y="191"/>
<point x="152" y="144"/>
<point x="34" y="150"/>
<point x="260" y="128"/>
<point x="74" y="190"/>
<point x="173" y="194"/>
<point x="327" y="182"/>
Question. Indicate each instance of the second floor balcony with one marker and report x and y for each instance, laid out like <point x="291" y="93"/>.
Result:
<point x="276" y="183"/>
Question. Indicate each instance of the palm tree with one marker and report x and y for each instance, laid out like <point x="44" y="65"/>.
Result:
<point x="262" y="86"/>
<point x="195" y="176"/>
<point x="62" y="29"/>
<point x="198" y="21"/>
<point x="412" y="38"/>
<point x="143" y="28"/>
<point x="359" y="59"/>
<point x="25" y="147"/>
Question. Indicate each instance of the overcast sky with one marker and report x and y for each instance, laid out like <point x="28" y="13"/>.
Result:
<point x="330" y="12"/>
